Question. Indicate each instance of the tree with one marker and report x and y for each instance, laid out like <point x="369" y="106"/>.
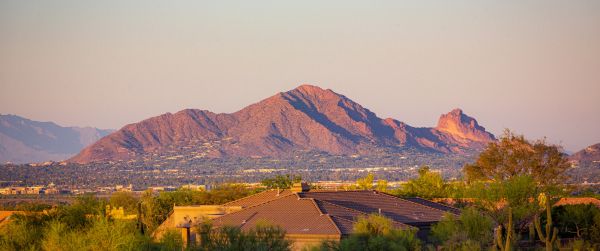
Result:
<point x="382" y="185"/>
<point x="428" y="185"/>
<point x="508" y="202"/>
<point x="513" y="155"/>
<point x="281" y="181"/>
<point x="365" y="183"/>
<point x="125" y="200"/>
<point x="155" y="208"/>
<point x="580" y="221"/>
<point x="515" y="171"/>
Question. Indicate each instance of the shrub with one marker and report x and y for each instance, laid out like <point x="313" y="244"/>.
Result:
<point x="375" y="232"/>
<point x="470" y="229"/>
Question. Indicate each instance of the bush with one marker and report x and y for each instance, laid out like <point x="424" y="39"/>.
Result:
<point x="23" y="232"/>
<point x="171" y="241"/>
<point x="578" y="221"/>
<point x="375" y="232"/>
<point x="470" y="229"/>
<point x="263" y="236"/>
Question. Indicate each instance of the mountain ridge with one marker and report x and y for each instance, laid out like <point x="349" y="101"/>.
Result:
<point x="307" y="118"/>
<point x="587" y="157"/>
<point x="25" y="141"/>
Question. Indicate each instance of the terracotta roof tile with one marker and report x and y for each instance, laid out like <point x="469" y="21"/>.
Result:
<point x="400" y="210"/>
<point x="575" y="201"/>
<point x="435" y="205"/>
<point x="258" y="198"/>
<point x="294" y="214"/>
<point x="345" y="226"/>
<point x="329" y="212"/>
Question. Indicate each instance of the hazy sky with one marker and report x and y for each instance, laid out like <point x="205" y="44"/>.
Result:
<point x="532" y="66"/>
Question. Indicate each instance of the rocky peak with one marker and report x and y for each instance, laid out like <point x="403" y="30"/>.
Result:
<point x="461" y="126"/>
<point x="307" y="118"/>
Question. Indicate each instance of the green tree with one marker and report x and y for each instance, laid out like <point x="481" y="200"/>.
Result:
<point x="125" y="200"/>
<point x="580" y="221"/>
<point x="513" y="155"/>
<point x="155" y="208"/>
<point x="382" y="185"/>
<point x="512" y="172"/>
<point x="281" y="181"/>
<point x="508" y="202"/>
<point x="428" y="185"/>
<point x="365" y="183"/>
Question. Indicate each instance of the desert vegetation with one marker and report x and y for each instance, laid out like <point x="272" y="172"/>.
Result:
<point x="505" y="196"/>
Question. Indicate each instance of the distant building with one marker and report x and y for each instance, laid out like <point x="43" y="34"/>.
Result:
<point x="195" y="187"/>
<point x="122" y="188"/>
<point x="578" y="201"/>
<point x="309" y="217"/>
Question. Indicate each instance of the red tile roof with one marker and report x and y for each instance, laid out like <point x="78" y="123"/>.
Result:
<point x="330" y="212"/>
<point x="435" y="205"/>
<point x="259" y="198"/>
<point x="294" y="214"/>
<point x="575" y="201"/>
<point x="415" y="213"/>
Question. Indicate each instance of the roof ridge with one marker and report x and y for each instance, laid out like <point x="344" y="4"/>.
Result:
<point x="259" y="204"/>
<point x="347" y="208"/>
<point x="256" y="194"/>
<point x="389" y="195"/>
<point x="360" y="212"/>
<point x="333" y="191"/>
<point x="321" y="212"/>
<point x="342" y="218"/>
<point x="451" y="207"/>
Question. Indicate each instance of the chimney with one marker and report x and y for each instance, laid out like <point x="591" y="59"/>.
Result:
<point x="300" y="187"/>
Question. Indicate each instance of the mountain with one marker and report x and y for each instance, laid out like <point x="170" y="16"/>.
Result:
<point x="26" y="141"/>
<point x="588" y="157"/>
<point x="307" y="118"/>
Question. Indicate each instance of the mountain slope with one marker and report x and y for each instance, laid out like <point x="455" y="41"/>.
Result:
<point x="307" y="118"/>
<point x="588" y="157"/>
<point x="26" y="141"/>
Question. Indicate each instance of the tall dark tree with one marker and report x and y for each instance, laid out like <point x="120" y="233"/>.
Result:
<point x="281" y="181"/>
<point x="513" y="155"/>
<point x="525" y="170"/>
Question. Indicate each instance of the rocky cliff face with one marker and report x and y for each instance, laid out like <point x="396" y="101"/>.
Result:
<point x="462" y="128"/>
<point x="307" y="118"/>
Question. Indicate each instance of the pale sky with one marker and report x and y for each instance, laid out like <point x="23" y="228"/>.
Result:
<point x="531" y="66"/>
